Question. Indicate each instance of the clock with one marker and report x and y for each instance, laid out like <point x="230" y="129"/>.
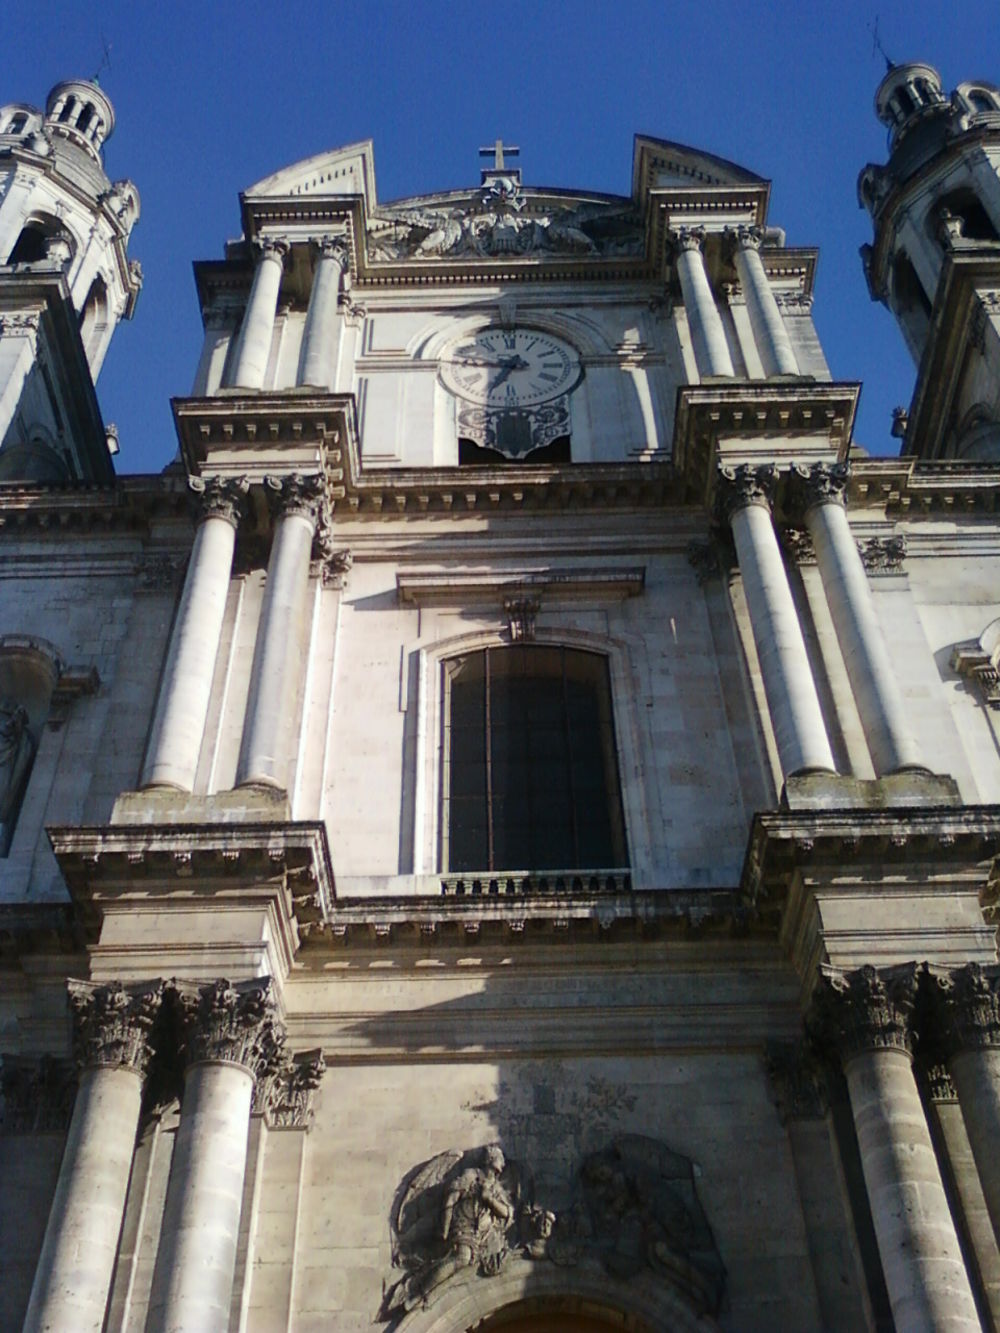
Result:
<point x="505" y="370"/>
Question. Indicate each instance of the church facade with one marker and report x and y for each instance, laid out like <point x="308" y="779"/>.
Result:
<point x="501" y="833"/>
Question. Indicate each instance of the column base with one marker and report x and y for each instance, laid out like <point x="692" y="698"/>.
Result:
<point x="165" y="805"/>
<point x="832" y="791"/>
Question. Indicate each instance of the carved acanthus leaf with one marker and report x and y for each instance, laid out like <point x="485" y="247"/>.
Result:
<point x="883" y="555"/>
<point x="111" y="1023"/>
<point x="971" y="1001"/>
<point x="865" y="1010"/>
<point x="236" y="1024"/>
<point x="220" y="497"/>
<point x="745" y="485"/>
<point x="284" y="1095"/>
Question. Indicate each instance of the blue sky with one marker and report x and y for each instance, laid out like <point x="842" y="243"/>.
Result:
<point x="211" y="97"/>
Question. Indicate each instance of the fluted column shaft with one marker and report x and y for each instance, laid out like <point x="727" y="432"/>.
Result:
<point x="845" y="583"/>
<point x="972" y="1008"/>
<point x="769" y="331"/>
<point x="182" y="708"/>
<point x="867" y="1015"/>
<point x="792" y="700"/>
<point x="231" y="1037"/>
<point x="257" y="329"/>
<point x="277" y="661"/>
<point x="73" y="1277"/>
<point x="711" y="351"/>
<point x="317" y="362"/>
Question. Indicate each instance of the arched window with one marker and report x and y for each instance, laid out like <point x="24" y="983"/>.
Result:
<point x="17" y="123"/>
<point x="530" y="777"/>
<point x="965" y="205"/>
<point x="981" y="101"/>
<point x="37" y="235"/>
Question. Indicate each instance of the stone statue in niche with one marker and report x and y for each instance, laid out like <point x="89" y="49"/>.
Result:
<point x="459" y="1210"/>
<point x="632" y="1207"/>
<point x="17" y="751"/>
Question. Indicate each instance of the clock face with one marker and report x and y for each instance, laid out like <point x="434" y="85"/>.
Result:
<point x="508" y="369"/>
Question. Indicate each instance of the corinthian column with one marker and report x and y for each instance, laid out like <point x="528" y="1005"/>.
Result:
<point x="845" y="583"/>
<point x="231" y="1037"/>
<point x="766" y="321"/>
<point x="179" y="722"/>
<point x="257" y="329"/>
<point x="711" y="351"/>
<point x="745" y="494"/>
<point x="866" y="1015"/>
<point x="317" y="361"/>
<point x="971" y="997"/>
<point x="276" y="673"/>
<point x="110" y="1028"/>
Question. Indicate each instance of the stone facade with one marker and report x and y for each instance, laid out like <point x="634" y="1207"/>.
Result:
<point x="278" y="1050"/>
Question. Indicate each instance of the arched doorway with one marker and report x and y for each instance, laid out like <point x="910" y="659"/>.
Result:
<point x="554" y="1316"/>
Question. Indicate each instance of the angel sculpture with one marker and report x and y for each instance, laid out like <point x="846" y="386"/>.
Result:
<point x="459" y="1210"/>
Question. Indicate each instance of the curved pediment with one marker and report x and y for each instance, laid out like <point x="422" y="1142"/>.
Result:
<point x="348" y="170"/>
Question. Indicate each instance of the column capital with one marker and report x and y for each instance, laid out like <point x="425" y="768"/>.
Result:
<point x="284" y="1095"/>
<point x="336" y="248"/>
<point x="232" y="1024"/>
<point x="220" y="497"/>
<point x="822" y="483"/>
<point x="746" y="485"/>
<point x="970" y="997"/>
<point x="745" y="237"/>
<point x="869" y="1009"/>
<point x="272" y="247"/>
<point x="111" y="1024"/>
<point x="687" y="238"/>
<point x="299" y="494"/>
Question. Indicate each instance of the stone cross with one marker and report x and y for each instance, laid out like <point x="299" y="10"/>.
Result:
<point x="497" y="149"/>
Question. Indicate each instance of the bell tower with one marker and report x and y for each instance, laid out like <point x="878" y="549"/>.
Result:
<point x="65" y="282"/>
<point x="935" y="257"/>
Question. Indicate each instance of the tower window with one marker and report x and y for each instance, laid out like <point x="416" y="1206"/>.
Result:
<point x="17" y="124"/>
<point x="531" y="770"/>
<point x="980" y="101"/>
<point x="30" y="247"/>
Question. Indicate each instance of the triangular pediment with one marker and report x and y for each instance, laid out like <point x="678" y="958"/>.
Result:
<point x="343" y="171"/>
<point x="660" y="164"/>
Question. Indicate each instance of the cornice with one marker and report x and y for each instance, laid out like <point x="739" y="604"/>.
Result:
<point x="106" y="863"/>
<point x="959" y="841"/>
<point x="434" y="588"/>
<point x="815" y="415"/>
<point x="126" y="504"/>
<point x="901" y="487"/>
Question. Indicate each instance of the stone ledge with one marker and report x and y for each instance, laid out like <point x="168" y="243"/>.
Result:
<point x="910" y="790"/>
<point x="167" y="805"/>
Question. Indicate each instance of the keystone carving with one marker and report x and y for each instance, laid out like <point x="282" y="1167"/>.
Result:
<point x="36" y="1095"/>
<point x="235" y="1024"/>
<point x="632" y="1206"/>
<point x="869" y="1009"/>
<point x="220" y="497"/>
<point x="521" y="613"/>
<point x="111" y="1024"/>
<point x="746" y="485"/>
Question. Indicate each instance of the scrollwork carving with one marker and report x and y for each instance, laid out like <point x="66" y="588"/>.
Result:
<point x="112" y="1023"/>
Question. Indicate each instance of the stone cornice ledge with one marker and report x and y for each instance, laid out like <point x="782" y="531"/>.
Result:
<point x="110" y="864"/>
<point x="549" y="918"/>
<point x="959" y="841"/>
